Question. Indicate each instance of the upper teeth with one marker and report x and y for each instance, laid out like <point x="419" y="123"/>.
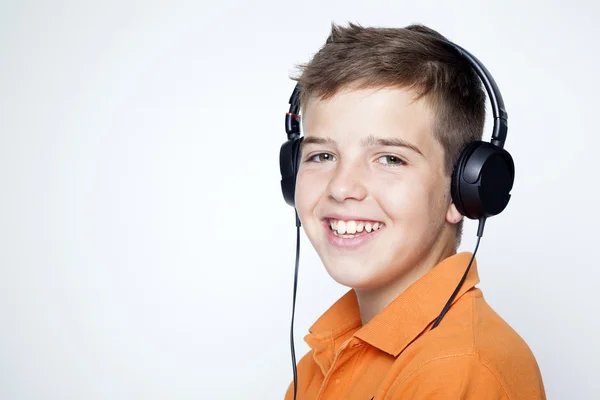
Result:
<point x="351" y="227"/>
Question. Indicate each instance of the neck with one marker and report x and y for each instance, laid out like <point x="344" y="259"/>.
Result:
<point x="373" y="300"/>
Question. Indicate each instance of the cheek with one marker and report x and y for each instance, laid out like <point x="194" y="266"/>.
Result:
<point x="309" y="189"/>
<point x="413" y="199"/>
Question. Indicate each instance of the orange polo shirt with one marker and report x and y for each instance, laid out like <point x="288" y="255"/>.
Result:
<point x="472" y="354"/>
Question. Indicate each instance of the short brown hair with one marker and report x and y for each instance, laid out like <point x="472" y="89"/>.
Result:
<point x="412" y="58"/>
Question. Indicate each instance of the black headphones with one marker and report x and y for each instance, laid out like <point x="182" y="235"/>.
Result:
<point x="483" y="175"/>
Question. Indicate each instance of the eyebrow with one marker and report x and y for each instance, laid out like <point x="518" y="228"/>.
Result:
<point x="316" y="140"/>
<point x="367" y="142"/>
<point x="392" y="142"/>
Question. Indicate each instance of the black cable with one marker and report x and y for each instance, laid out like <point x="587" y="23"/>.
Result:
<point x="294" y="306"/>
<point x="464" y="277"/>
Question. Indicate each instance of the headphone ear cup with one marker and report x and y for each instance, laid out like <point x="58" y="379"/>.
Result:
<point x="289" y="161"/>
<point x="456" y="178"/>
<point x="482" y="180"/>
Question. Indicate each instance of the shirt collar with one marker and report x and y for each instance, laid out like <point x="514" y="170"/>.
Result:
<point x="341" y="317"/>
<point x="335" y="326"/>
<point x="405" y="317"/>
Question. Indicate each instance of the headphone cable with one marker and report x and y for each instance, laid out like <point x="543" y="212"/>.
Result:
<point x="464" y="277"/>
<point x="294" y="305"/>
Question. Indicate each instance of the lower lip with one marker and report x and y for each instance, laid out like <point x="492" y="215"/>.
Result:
<point x="348" y="243"/>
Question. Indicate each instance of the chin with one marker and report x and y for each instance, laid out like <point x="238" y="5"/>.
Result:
<point x="355" y="274"/>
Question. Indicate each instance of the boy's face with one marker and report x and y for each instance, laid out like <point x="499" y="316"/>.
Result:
<point x="370" y="159"/>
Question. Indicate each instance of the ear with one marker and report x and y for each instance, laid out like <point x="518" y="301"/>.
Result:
<point x="453" y="216"/>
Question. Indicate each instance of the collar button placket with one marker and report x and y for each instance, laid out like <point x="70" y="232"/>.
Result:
<point x="331" y="383"/>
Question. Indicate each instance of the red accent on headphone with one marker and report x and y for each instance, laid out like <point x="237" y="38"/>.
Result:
<point x="294" y="115"/>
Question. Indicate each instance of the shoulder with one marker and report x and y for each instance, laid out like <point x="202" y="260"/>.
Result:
<point x="307" y="371"/>
<point x="459" y="376"/>
<point x="473" y="350"/>
<point x="504" y="352"/>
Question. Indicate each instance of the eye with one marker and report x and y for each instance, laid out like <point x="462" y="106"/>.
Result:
<point x="320" y="157"/>
<point x="391" y="160"/>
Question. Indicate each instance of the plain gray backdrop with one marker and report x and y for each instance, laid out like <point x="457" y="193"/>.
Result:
<point x="146" y="250"/>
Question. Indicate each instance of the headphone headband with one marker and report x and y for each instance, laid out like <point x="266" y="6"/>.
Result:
<point x="292" y="119"/>
<point x="500" y="129"/>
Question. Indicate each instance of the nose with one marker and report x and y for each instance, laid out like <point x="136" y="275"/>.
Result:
<point x="346" y="183"/>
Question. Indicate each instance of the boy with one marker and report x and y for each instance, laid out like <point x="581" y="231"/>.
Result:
<point x="385" y="115"/>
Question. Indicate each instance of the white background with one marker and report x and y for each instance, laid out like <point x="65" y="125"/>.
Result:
<point x="146" y="250"/>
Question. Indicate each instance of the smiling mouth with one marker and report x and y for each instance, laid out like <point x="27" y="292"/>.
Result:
<point x="352" y="229"/>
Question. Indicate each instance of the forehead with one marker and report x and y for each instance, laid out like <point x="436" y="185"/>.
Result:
<point x="352" y="115"/>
